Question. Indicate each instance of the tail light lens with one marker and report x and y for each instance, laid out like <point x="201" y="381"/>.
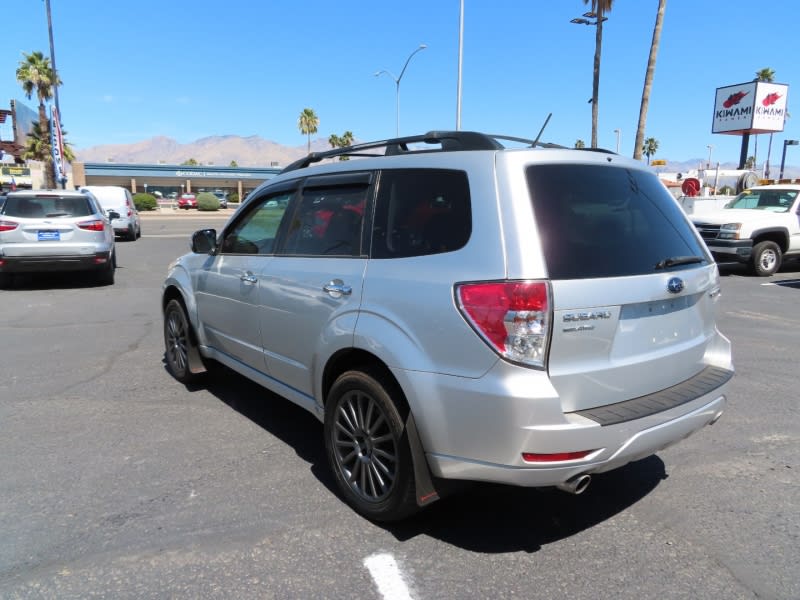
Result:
<point x="96" y="225"/>
<point x="8" y="225"/>
<point x="513" y="317"/>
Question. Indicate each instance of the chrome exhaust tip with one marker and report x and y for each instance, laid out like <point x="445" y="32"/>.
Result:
<point x="576" y="485"/>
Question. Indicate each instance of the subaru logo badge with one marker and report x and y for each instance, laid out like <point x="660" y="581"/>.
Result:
<point x="675" y="285"/>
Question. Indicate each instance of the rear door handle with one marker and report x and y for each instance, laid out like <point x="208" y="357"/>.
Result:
<point x="336" y="288"/>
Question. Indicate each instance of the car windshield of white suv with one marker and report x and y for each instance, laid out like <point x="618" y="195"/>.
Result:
<point x="771" y="200"/>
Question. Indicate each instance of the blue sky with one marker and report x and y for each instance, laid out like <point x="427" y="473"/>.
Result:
<point x="192" y="69"/>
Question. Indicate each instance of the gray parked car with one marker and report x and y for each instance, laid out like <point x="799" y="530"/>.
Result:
<point x="55" y="230"/>
<point x="453" y="309"/>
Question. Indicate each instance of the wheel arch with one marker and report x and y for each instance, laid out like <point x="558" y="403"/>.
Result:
<point x="779" y="236"/>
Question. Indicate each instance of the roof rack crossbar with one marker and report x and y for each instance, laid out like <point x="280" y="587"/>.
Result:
<point x="448" y="141"/>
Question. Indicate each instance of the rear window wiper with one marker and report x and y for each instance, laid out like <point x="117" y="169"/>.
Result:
<point x="674" y="261"/>
<point x="58" y="214"/>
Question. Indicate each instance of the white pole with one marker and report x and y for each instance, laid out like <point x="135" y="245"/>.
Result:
<point x="460" y="63"/>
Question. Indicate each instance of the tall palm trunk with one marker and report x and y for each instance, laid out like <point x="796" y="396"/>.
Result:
<point x="648" y="81"/>
<point x="598" y="44"/>
<point x="47" y="165"/>
<point x="769" y="153"/>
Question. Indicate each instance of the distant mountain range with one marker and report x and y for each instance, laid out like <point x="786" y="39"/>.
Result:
<point x="254" y="151"/>
<point x="218" y="150"/>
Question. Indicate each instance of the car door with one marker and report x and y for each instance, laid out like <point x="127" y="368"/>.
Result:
<point x="228" y="288"/>
<point x="311" y="290"/>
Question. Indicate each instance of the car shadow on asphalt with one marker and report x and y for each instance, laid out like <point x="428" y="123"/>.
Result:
<point x="54" y="281"/>
<point x="478" y="517"/>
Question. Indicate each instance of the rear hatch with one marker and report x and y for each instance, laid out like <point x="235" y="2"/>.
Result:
<point x="633" y="288"/>
<point x="48" y="224"/>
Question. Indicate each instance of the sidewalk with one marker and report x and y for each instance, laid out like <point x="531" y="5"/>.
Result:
<point x="191" y="213"/>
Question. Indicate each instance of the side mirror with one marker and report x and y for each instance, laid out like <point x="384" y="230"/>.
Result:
<point x="112" y="214"/>
<point x="204" y="241"/>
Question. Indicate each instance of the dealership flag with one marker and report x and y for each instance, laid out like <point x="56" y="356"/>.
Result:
<point x="57" y="143"/>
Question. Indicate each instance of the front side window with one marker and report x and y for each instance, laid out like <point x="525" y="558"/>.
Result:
<point x="420" y="212"/>
<point x="255" y="233"/>
<point x="602" y="221"/>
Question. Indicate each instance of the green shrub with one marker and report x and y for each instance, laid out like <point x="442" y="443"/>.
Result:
<point x="145" y="202"/>
<point x="207" y="201"/>
<point x="233" y="198"/>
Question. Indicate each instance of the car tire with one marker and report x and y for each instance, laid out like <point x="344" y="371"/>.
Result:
<point x="6" y="280"/>
<point x="106" y="275"/>
<point x="178" y="342"/>
<point x="367" y="445"/>
<point x="766" y="258"/>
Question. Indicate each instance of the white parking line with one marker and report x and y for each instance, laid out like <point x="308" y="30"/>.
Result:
<point x="783" y="282"/>
<point x="387" y="577"/>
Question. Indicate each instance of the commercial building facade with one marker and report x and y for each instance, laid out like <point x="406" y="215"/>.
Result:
<point x="172" y="178"/>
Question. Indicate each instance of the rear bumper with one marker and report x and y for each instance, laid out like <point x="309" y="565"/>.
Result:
<point x="478" y="429"/>
<point x="621" y="448"/>
<point x="55" y="263"/>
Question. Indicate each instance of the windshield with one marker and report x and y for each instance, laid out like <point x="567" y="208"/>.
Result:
<point x="771" y="200"/>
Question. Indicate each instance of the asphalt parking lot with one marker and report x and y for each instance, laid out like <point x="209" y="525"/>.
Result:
<point x="116" y="481"/>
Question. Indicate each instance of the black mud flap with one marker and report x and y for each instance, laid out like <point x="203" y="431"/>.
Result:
<point x="426" y="492"/>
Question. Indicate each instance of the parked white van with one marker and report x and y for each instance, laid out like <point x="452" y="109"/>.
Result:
<point x="119" y="200"/>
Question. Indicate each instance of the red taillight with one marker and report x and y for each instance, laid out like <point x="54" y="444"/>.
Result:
<point x="96" y="225"/>
<point x="8" y="225"/>
<point x="556" y="457"/>
<point x="512" y="316"/>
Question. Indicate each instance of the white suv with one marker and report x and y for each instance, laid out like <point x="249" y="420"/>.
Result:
<point x="454" y="309"/>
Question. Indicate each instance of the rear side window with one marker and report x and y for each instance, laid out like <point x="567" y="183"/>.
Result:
<point x="420" y="212"/>
<point x="601" y="221"/>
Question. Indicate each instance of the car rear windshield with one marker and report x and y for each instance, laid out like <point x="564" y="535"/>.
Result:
<point x="604" y="221"/>
<point x="47" y="206"/>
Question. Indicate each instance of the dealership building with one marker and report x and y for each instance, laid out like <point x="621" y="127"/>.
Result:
<point x="172" y="178"/>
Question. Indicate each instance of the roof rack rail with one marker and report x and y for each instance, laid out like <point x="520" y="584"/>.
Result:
<point x="447" y="141"/>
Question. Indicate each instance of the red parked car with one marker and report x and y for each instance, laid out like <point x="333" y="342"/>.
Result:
<point x="187" y="201"/>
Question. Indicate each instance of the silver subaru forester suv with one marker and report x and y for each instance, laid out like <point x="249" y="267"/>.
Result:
<point x="454" y="309"/>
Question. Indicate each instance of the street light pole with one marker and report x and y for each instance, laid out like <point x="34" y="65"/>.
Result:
<point x="783" y="156"/>
<point x="397" y="84"/>
<point x="460" y="61"/>
<point x="618" y="132"/>
<point x="710" y="148"/>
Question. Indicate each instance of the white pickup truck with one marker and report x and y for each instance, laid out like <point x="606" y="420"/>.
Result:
<point x="759" y="227"/>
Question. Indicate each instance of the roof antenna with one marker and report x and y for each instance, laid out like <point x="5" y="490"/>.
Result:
<point x="541" y="131"/>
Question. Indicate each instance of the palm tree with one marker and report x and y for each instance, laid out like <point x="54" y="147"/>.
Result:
<point x="37" y="76"/>
<point x="341" y="142"/>
<point x="650" y="147"/>
<point x="599" y="8"/>
<point x="767" y="75"/>
<point x="580" y="144"/>
<point x="308" y="123"/>
<point x="37" y="144"/>
<point x="648" y="80"/>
